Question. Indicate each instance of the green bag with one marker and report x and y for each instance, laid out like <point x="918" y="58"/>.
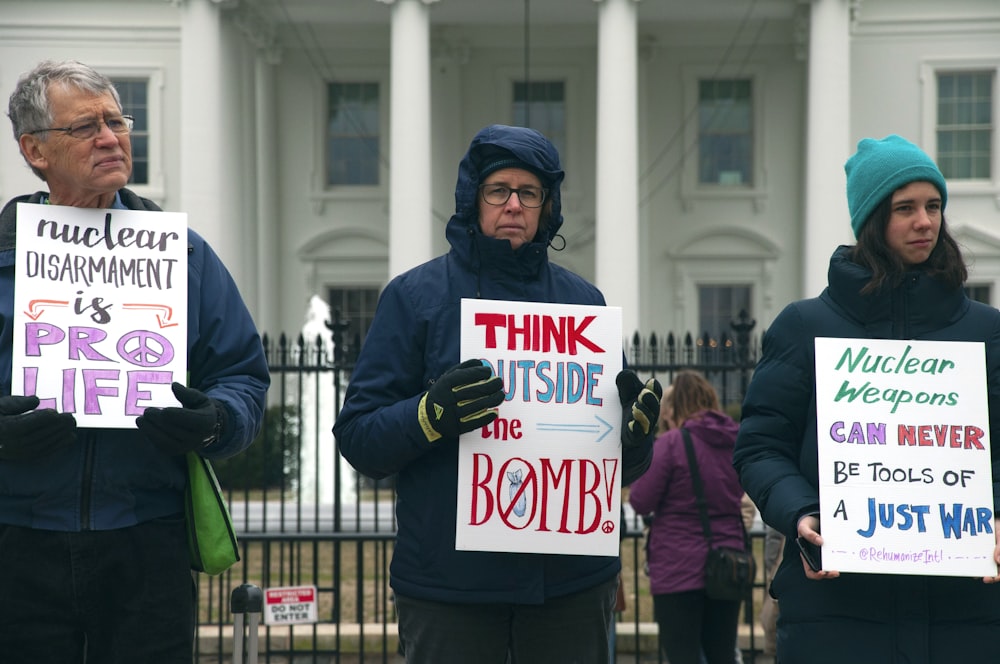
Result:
<point x="211" y="538"/>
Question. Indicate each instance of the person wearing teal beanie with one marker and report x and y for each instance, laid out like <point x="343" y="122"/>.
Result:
<point x="903" y="279"/>
<point x="880" y="167"/>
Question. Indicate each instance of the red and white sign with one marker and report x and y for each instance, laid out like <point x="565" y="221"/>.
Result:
<point x="290" y="606"/>
<point x="545" y="477"/>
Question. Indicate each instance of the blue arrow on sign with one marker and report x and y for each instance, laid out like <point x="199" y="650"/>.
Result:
<point x="577" y="428"/>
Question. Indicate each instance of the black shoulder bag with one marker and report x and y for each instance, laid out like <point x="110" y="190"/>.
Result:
<point x="729" y="573"/>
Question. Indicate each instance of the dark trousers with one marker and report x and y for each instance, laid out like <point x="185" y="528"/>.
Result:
<point x="101" y="597"/>
<point x="568" y="630"/>
<point x="690" y="623"/>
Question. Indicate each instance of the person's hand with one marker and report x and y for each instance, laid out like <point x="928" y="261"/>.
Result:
<point x="808" y="530"/>
<point x="463" y="399"/>
<point x="26" y="433"/>
<point x="996" y="551"/>
<point x="640" y="408"/>
<point x="173" y="430"/>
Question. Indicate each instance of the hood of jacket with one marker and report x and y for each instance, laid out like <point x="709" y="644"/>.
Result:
<point x="713" y="429"/>
<point x="467" y="241"/>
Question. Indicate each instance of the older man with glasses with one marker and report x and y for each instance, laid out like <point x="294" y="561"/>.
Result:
<point x="94" y="560"/>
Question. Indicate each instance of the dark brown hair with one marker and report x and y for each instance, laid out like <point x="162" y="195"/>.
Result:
<point x="871" y="251"/>
<point x="692" y="394"/>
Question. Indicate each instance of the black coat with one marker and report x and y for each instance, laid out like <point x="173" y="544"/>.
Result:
<point x="859" y="618"/>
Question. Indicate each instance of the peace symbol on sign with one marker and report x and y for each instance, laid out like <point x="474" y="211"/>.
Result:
<point x="145" y="349"/>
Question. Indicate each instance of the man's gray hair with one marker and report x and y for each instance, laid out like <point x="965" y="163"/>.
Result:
<point x="28" y="108"/>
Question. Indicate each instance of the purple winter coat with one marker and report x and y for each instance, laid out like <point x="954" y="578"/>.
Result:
<point x="677" y="547"/>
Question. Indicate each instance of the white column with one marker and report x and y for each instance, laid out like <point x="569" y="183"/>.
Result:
<point x="827" y="222"/>
<point x="268" y="226"/>
<point x="201" y="109"/>
<point x="410" y="204"/>
<point x="617" y="189"/>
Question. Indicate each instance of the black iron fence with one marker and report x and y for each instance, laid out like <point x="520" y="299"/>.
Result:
<point x="306" y="518"/>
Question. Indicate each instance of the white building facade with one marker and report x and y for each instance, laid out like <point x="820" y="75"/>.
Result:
<point x="315" y="143"/>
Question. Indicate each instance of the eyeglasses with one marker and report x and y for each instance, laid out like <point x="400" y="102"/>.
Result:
<point x="498" y="194"/>
<point x="120" y="124"/>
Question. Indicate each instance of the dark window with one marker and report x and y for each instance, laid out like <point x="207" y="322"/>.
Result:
<point x="725" y="132"/>
<point x="980" y="293"/>
<point x="718" y="306"/>
<point x="352" y="134"/>
<point x="541" y="105"/>
<point x="357" y="306"/>
<point x="134" y="94"/>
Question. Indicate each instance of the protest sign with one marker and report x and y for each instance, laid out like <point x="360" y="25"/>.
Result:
<point x="545" y="477"/>
<point x="906" y="484"/>
<point x="100" y="310"/>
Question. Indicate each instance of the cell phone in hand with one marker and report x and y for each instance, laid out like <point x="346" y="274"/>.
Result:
<point x="812" y="554"/>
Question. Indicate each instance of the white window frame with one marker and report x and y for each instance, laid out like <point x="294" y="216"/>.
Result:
<point x="155" y="189"/>
<point x="322" y="193"/>
<point x="691" y="189"/>
<point x="929" y="69"/>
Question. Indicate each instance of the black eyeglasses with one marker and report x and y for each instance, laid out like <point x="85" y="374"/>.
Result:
<point x="499" y="194"/>
<point x="119" y="124"/>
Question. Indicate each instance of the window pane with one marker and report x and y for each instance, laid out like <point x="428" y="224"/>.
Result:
<point x="353" y="141"/>
<point x="541" y="105"/>
<point x="134" y="95"/>
<point x="980" y="167"/>
<point x="725" y="132"/>
<point x="964" y="124"/>
<point x="963" y="142"/>
<point x="981" y="111"/>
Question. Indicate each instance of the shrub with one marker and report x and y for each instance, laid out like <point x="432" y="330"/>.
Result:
<point x="270" y="460"/>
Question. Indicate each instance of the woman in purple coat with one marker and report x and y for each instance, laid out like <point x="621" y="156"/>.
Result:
<point x="688" y="620"/>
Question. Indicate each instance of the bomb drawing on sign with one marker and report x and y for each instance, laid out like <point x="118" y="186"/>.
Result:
<point x="515" y="484"/>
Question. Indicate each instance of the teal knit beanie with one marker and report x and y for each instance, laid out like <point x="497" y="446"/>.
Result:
<point x="880" y="167"/>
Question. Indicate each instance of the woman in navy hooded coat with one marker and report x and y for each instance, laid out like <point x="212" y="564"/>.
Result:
<point x="902" y="280"/>
<point x="409" y="399"/>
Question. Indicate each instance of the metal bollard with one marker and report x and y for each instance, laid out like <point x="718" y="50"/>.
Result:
<point x="246" y="599"/>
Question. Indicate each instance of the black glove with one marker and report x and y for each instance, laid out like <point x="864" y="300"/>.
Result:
<point x="26" y="433"/>
<point x="640" y="408"/>
<point x="180" y="430"/>
<point x="463" y="399"/>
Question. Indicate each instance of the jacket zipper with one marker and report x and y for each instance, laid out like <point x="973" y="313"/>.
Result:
<point x="906" y="292"/>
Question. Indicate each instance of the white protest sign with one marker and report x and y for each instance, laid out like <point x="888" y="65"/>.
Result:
<point x="290" y="606"/>
<point x="545" y="477"/>
<point x="906" y="484"/>
<point x="100" y="310"/>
